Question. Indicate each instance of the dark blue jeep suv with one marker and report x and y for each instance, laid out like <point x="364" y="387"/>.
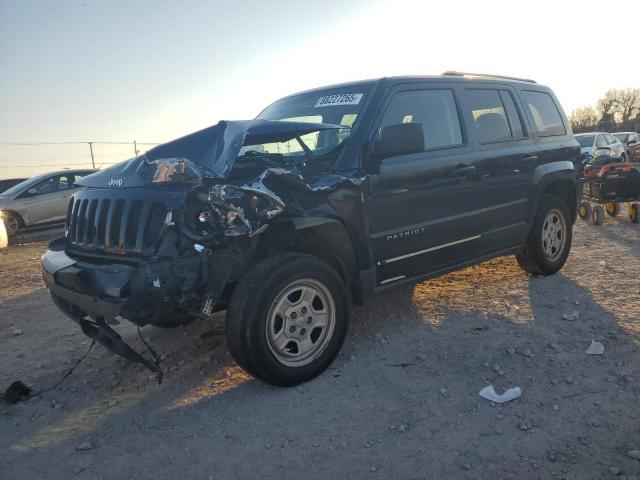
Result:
<point x="326" y="198"/>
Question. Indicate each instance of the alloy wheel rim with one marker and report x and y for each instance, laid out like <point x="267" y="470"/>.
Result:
<point x="301" y="322"/>
<point x="554" y="231"/>
<point x="12" y="224"/>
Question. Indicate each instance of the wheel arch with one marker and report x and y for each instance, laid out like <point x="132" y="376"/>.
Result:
<point x="322" y="237"/>
<point x="565" y="189"/>
<point x="557" y="178"/>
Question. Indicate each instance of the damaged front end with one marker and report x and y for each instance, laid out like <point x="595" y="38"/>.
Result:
<point x="163" y="238"/>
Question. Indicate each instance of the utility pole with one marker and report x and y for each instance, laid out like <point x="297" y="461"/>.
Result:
<point x="135" y="148"/>
<point x="93" y="162"/>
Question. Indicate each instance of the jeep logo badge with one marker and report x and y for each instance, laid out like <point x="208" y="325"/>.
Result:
<point x="116" y="182"/>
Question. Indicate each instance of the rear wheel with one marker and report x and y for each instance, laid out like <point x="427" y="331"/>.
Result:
<point x="612" y="209"/>
<point x="287" y="319"/>
<point x="634" y="212"/>
<point x="550" y="238"/>
<point x="584" y="210"/>
<point x="13" y="223"/>
<point x="597" y="215"/>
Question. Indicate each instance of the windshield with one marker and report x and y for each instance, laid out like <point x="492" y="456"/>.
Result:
<point x="585" y="140"/>
<point x="336" y="106"/>
<point x="622" y="137"/>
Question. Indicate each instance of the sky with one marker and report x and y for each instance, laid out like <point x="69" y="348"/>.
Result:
<point x="151" y="71"/>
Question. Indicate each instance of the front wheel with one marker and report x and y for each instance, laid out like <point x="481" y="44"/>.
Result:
<point x="287" y="319"/>
<point x="550" y="238"/>
<point x="13" y="223"/>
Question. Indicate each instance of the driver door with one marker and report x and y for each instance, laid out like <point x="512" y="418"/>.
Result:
<point x="49" y="203"/>
<point x="420" y="204"/>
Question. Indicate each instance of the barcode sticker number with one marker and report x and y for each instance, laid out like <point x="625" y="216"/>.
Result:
<point x="340" y="99"/>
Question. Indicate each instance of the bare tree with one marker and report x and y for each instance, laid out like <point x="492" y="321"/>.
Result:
<point x="607" y="111"/>
<point x="628" y="104"/>
<point x="620" y="108"/>
<point x="584" y="119"/>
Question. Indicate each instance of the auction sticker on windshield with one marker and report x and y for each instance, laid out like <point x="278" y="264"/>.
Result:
<point x="340" y="99"/>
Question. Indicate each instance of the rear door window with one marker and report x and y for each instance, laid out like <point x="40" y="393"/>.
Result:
<point x="434" y="109"/>
<point x="495" y="115"/>
<point x="545" y="113"/>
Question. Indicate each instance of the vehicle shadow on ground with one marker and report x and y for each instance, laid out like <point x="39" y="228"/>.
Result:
<point x="619" y="221"/>
<point x="415" y="357"/>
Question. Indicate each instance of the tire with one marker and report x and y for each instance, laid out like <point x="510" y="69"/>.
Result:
<point x="634" y="212"/>
<point x="13" y="223"/>
<point x="256" y="330"/>
<point x="551" y="227"/>
<point x="597" y="215"/>
<point x="584" y="210"/>
<point x="612" y="209"/>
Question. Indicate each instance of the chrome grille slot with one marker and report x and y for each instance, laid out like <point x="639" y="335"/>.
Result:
<point x="119" y="226"/>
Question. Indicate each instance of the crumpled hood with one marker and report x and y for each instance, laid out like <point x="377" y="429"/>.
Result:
<point x="208" y="153"/>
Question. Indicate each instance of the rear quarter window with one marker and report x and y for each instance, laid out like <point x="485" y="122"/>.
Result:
<point x="545" y="113"/>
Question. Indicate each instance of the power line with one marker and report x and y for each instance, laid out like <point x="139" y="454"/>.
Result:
<point x="75" y="143"/>
<point x="56" y="165"/>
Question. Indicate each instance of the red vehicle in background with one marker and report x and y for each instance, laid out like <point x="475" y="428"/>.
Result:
<point x="606" y="187"/>
<point x="632" y="141"/>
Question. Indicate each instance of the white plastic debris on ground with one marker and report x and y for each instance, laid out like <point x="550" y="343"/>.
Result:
<point x="4" y="239"/>
<point x="490" y="394"/>
<point x="596" y="348"/>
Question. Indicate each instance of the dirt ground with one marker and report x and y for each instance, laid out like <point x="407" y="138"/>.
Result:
<point x="400" y="402"/>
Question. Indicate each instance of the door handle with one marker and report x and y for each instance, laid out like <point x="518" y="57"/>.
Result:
<point x="530" y="159"/>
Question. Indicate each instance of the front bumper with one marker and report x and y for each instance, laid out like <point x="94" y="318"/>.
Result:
<point x="92" y="294"/>
<point x="90" y="290"/>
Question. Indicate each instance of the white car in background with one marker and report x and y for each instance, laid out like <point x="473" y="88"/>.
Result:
<point x="601" y="148"/>
<point x="39" y="201"/>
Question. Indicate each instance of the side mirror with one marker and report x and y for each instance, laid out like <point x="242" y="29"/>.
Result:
<point x="400" y="139"/>
<point x="32" y="191"/>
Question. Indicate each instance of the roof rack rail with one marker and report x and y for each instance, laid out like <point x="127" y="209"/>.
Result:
<point x="489" y="75"/>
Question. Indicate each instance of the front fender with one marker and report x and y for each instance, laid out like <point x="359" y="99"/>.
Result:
<point x="326" y="238"/>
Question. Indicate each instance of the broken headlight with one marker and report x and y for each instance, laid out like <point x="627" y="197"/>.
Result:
<point x="243" y="211"/>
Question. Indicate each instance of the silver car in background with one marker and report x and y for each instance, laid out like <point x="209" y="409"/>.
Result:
<point x="600" y="148"/>
<point x="39" y="201"/>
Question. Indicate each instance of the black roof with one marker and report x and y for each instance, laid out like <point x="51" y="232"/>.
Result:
<point x="448" y="75"/>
